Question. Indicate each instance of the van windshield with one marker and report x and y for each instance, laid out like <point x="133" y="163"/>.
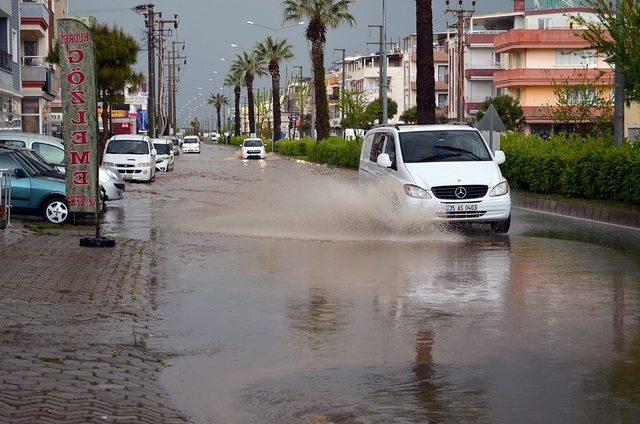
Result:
<point x="128" y="147"/>
<point x="189" y="140"/>
<point x="443" y="146"/>
<point x="163" y="149"/>
<point x="253" y="143"/>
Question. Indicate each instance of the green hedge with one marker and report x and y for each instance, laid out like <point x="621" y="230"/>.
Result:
<point x="591" y="168"/>
<point x="332" y="151"/>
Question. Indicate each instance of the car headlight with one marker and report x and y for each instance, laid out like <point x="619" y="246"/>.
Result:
<point x="113" y="174"/>
<point x="108" y="164"/>
<point x="143" y="164"/>
<point x="500" y="190"/>
<point x="415" y="191"/>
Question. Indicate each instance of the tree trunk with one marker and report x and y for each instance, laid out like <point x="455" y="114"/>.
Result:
<point x="425" y="79"/>
<point x="320" y="90"/>
<point x="275" y="91"/>
<point x="218" y="113"/>
<point x="237" y="92"/>
<point x="250" y="104"/>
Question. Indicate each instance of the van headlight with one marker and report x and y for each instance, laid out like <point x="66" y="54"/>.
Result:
<point x="108" y="164"/>
<point x="415" y="191"/>
<point x="500" y="190"/>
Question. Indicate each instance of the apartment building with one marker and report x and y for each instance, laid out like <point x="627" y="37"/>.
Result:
<point x="10" y="97"/>
<point x="440" y="70"/>
<point x="544" y="50"/>
<point x="362" y="72"/>
<point x="39" y="82"/>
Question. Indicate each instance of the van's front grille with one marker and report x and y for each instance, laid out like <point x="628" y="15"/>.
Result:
<point x="460" y="192"/>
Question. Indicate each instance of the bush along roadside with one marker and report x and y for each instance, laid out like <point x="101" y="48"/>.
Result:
<point x="332" y="151"/>
<point x="567" y="165"/>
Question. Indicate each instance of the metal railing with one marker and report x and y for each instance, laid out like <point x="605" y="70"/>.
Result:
<point x="5" y="193"/>
<point x="39" y="61"/>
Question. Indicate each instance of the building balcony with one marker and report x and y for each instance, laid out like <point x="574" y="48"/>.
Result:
<point x="37" y="76"/>
<point x="5" y="9"/>
<point x="544" y="114"/>
<point x="518" y="39"/>
<point x="480" y="38"/>
<point x="480" y="73"/>
<point x="440" y="86"/>
<point x="5" y="61"/>
<point x="546" y="77"/>
<point x="34" y="18"/>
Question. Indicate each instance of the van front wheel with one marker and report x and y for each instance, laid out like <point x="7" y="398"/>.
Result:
<point x="501" y="227"/>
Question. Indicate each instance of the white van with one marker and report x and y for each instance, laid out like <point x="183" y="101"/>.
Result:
<point x="164" y="154"/>
<point x="446" y="169"/>
<point x="132" y="155"/>
<point x="191" y="144"/>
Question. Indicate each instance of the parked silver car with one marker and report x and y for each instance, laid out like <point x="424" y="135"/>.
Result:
<point x="51" y="149"/>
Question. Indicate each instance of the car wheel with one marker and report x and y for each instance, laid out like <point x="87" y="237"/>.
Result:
<point x="56" y="211"/>
<point x="501" y="227"/>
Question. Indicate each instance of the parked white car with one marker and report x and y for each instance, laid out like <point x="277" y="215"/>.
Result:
<point x="253" y="148"/>
<point x="132" y="155"/>
<point x="51" y="149"/>
<point x="446" y="169"/>
<point x="164" y="157"/>
<point x="191" y="144"/>
<point x="215" y="136"/>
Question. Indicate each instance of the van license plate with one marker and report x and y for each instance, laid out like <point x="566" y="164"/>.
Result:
<point x="461" y="208"/>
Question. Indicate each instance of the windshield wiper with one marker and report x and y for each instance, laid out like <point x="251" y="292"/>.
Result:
<point x="438" y="157"/>
<point x="456" y="149"/>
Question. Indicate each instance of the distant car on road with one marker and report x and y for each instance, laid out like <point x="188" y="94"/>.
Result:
<point x="164" y="157"/>
<point x="253" y="148"/>
<point x="215" y="136"/>
<point x="191" y="144"/>
<point x="132" y="155"/>
<point x="447" y="169"/>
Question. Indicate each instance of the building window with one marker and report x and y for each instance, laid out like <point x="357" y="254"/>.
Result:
<point x="575" y="58"/>
<point x="544" y="23"/>
<point x="442" y="73"/>
<point x="442" y="100"/>
<point x="581" y="95"/>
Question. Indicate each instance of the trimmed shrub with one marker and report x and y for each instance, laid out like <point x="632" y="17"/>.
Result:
<point x="332" y="151"/>
<point x="591" y="168"/>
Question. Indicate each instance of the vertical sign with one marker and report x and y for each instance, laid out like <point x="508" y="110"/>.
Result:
<point x="79" y="105"/>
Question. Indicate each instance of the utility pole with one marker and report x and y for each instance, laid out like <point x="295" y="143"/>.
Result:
<point x="173" y="82"/>
<point x="162" y="118"/>
<point x="618" y="121"/>
<point x="380" y="44"/>
<point x="343" y="86"/>
<point x="462" y="16"/>
<point x="300" y="107"/>
<point x="385" y="114"/>
<point x="148" y="11"/>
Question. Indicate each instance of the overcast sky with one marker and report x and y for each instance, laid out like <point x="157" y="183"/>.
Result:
<point x="210" y="26"/>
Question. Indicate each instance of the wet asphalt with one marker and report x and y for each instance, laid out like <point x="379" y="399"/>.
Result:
<point x="286" y="295"/>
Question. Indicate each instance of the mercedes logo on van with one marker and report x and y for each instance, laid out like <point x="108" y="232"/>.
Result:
<point x="461" y="192"/>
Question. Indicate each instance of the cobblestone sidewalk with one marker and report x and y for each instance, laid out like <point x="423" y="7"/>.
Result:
<point x="73" y="324"/>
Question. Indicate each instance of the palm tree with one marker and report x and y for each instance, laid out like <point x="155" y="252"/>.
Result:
<point x="274" y="51"/>
<point x="195" y="125"/>
<point x="235" y="79"/>
<point x="250" y="65"/>
<point x="321" y="14"/>
<point x="218" y="100"/>
<point x="425" y="78"/>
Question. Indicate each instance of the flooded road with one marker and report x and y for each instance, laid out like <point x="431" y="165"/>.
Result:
<point x="286" y="295"/>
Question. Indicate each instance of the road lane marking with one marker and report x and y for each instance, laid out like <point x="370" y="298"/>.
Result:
<point x="578" y="218"/>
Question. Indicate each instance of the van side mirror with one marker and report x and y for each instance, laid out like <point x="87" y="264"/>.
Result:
<point x="154" y="152"/>
<point x="500" y="157"/>
<point x="20" y="173"/>
<point x="384" y="161"/>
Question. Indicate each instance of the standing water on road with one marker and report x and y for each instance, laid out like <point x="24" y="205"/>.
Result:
<point x="287" y="295"/>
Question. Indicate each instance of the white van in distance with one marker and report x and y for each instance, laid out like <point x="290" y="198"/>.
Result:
<point x="253" y="148"/>
<point x="164" y="157"/>
<point x="446" y="169"/>
<point x="191" y="144"/>
<point x="132" y="155"/>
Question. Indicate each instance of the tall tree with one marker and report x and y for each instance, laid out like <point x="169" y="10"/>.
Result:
<point x="250" y="65"/>
<point x="116" y="55"/>
<point x="353" y="104"/>
<point x="235" y="79"/>
<point x="275" y="51"/>
<point x="425" y="78"/>
<point x="321" y="15"/>
<point x="218" y="100"/>
<point x="508" y="109"/>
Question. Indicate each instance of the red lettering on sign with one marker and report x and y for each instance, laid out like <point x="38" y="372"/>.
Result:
<point x="75" y="56"/>
<point x="81" y="159"/>
<point x="79" y="137"/>
<point x="82" y="37"/>
<point x="82" y="118"/>
<point x="80" y="178"/>
<point x="77" y="97"/>
<point x="76" y="77"/>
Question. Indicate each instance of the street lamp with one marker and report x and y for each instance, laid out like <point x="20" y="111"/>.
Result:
<point x="275" y="29"/>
